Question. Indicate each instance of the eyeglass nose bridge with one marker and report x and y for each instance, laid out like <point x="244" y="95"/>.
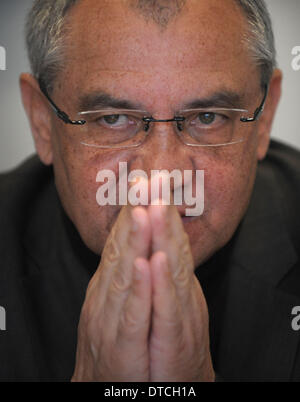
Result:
<point x="178" y="119"/>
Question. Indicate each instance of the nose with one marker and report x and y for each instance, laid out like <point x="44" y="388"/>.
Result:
<point x="163" y="150"/>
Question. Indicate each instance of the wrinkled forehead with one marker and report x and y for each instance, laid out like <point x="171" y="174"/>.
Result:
<point x="204" y="39"/>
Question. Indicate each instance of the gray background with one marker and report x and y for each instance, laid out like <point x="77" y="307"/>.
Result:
<point x="15" y="136"/>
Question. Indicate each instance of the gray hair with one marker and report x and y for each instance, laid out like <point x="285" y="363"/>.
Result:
<point x="261" y="40"/>
<point x="46" y="24"/>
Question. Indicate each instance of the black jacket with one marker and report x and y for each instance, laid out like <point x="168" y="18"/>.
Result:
<point x="251" y="286"/>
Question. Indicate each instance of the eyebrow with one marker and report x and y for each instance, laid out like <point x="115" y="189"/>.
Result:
<point x="223" y="99"/>
<point x="102" y="100"/>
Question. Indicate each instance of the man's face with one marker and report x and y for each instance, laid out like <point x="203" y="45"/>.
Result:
<point x="112" y="49"/>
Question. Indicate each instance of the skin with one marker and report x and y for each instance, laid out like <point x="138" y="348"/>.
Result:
<point x="157" y="321"/>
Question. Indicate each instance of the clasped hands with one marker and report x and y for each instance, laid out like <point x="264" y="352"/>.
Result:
<point x="145" y="317"/>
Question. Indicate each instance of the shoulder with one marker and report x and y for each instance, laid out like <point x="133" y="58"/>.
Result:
<point x="282" y="168"/>
<point x="20" y="190"/>
<point x="20" y="186"/>
<point x="27" y="169"/>
<point x="285" y="160"/>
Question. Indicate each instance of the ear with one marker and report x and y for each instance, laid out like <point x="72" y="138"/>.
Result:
<point x="266" y="120"/>
<point x="38" y="113"/>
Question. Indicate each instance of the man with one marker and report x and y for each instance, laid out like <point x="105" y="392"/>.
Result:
<point x="173" y="298"/>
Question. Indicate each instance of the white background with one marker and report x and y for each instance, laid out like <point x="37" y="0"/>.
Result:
<point x="15" y="136"/>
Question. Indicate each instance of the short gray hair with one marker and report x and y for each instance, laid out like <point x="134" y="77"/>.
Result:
<point x="261" y="40"/>
<point x="45" y="37"/>
<point x="45" y="40"/>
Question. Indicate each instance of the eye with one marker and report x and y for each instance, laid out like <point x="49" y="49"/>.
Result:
<point x="114" y="120"/>
<point x="207" y="118"/>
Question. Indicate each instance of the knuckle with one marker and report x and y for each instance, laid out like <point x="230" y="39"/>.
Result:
<point x="182" y="277"/>
<point x="129" y="323"/>
<point x="185" y="264"/>
<point x="111" y="252"/>
<point x="120" y="284"/>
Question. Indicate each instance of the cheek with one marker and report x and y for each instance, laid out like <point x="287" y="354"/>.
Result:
<point x="76" y="171"/>
<point x="226" y="194"/>
<point x="229" y="181"/>
<point x="229" y="178"/>
<point x="76" y="167"/>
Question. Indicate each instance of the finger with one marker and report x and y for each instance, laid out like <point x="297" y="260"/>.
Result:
<point x="134" y="321"/>
<point x="129" y="238"/>
<point x="168" y="235"/>
<point x="166" y="313"/>
<point x="136" y="244"/>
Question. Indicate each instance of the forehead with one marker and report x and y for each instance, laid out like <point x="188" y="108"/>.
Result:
<point x="110" y="40"/>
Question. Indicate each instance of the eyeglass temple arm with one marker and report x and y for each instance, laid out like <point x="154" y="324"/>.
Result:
<point x="259" y="110"/>
<point x="62" y="115"/>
